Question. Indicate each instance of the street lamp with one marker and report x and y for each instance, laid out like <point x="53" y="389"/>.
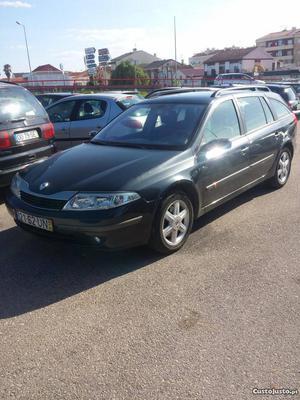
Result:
<point x="23" y="26"/>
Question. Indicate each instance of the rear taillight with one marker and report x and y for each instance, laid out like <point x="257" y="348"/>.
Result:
<point x="4" y="140"/>
<point x="295" y="119"/>
<point x="48" y="131"/>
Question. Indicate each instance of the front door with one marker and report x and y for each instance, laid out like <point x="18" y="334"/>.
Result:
<point x="223" y="158"/>
<point x="60" y="115"/>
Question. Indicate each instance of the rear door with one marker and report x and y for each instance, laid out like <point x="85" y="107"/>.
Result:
<point x="90" y="115"/>
<point x="222" y="170"/>
<point x="263" y="134"/>
<point x="60" y="115"/>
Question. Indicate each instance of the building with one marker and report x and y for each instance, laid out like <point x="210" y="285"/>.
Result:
<point x="198" y="59"/>
<point x="47" y="75"/>
<point x="165" y="72"/>
<point x="135" y="57"/>
<point x="78" y="78"/>
<point x="247" y="60"/>
<point x="284" y="47"/>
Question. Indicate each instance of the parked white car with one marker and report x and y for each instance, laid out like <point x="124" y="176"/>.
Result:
<point x="225" y="80"/>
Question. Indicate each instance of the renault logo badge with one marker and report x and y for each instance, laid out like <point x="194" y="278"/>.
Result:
<point x="44" y="185"/>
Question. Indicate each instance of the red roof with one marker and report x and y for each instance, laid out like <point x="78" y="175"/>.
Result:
<point x="230" y="55"/>
<point x="46" y="68"/>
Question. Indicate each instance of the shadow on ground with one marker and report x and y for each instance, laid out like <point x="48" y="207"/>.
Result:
<point x="35" y="273"/>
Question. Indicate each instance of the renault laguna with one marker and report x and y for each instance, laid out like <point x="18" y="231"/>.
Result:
<point x="157" y="167"/>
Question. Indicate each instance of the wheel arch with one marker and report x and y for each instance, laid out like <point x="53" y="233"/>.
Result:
<point x="187" y="188"/>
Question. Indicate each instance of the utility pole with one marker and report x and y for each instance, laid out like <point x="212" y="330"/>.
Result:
<point x="29" y="63"/>
<point x="175" y="47"/>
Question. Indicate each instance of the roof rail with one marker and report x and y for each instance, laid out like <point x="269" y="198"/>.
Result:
<point x="9" y="82"/>
<point x="168" y="91"/>
<point x="253" y="88"/>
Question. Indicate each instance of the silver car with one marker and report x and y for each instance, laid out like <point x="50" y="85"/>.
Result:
<point x="225" y="80"/>
<point x="75" y="117"/>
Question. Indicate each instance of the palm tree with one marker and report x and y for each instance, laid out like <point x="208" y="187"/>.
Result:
<point x="7" y="71"/>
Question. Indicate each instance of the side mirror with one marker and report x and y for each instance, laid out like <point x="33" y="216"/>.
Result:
<point x="215" y="149"/>
<point x="92" y="134"/>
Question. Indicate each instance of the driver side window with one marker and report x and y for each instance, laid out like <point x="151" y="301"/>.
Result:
<point x="61" y="112"/>
<point x="223" y="123"/>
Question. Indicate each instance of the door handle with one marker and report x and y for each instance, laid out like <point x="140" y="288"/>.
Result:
<point x="277" y="134"/>
<point x="244" y="149"/>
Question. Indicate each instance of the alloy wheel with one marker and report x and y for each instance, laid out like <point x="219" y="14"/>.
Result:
<point x="283" y="168"/>
<point x="175" y="223"/>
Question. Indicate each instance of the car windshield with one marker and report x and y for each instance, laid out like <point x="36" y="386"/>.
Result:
<point x="16" y="103"/>
<point x="154" y="125"/>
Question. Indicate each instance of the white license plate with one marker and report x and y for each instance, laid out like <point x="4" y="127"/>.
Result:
<point x="32" y="220"/>
<point x="23" y="136"/>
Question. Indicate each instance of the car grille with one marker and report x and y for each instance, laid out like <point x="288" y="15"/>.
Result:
<point x="42" y="202"/>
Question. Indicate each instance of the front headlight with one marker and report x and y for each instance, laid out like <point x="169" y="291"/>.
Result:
<point x="100" y="201"/>
<point x="15" y="185"/>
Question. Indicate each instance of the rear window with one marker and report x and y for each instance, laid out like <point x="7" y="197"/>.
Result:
<point x="280" y="109"/>
<point x="252" y="112"/>
<point x="16" y="103"/>
<point x="128" y="101"/>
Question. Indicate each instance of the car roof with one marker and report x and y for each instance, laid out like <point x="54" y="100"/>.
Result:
<point x="57" y="94"/>
<point x="276" y="85"/>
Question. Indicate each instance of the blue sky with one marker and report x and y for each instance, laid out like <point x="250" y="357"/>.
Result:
<point x="59" y="30"/>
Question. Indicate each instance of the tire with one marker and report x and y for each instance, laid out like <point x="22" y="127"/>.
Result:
<point x="172" y="224"/>
<point x="283" y="169"/>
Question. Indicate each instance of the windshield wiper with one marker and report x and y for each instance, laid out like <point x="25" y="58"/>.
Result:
<point x="120" y="144"/>
<point x="18" y="119"/>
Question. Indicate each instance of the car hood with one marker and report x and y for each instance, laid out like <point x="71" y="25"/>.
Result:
<point x="91" y="167"/>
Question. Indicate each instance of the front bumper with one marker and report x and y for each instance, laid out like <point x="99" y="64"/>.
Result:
<point x="122" y="227"/>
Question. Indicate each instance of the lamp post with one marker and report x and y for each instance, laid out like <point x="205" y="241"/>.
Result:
<point x="23" y="26"/>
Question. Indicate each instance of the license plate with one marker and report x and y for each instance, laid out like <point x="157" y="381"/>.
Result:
<point x="23" y="136"/>
<point x="32" y="220"/>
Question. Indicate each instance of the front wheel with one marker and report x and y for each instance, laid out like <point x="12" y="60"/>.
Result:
<point x="283" y="169"/>
<point x="172" y="224"/>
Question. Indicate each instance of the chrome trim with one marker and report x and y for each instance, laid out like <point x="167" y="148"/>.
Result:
<point x="235" y="191"/>
<point x="214" y="184"/>
<point x="262" y="160"/>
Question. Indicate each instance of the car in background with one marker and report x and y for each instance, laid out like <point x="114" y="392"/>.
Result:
<point x="288" y="94"/>
<point x="156" y="168"/>
<point x="78" y="117"/>
<point x="26" y="134"/>
<point x="294" y="85"/>
<point x="224" y="80"/>
<point x="46" y="99"/>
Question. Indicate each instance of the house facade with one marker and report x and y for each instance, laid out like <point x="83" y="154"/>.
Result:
<point x="198" y="59"/>
<point x="135" y="57"/>
<point x="234" y="60"/>
<point x="166" y="72"/>
<point x="48" y="75"/>
<point x="284" y="47"/>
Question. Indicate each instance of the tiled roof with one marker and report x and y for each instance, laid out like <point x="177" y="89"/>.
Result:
<point x="46" y="68"/>
<point x="280" y="35"/>
<point x="192" y="72"/>
<point x="230" y="55"/>
<point x="158" y="64"/>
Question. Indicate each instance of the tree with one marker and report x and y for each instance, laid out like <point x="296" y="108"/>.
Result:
<point x="7" y="71"/>
<point x="129" y="74"/>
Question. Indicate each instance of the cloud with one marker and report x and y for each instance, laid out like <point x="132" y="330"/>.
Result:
<point x="121" y="40"/>
<point x="15" y="4"/>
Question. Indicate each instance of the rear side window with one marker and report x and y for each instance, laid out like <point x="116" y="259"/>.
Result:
<point x="128" y="101"/>
<point x="16" y="102"/>
<point x="267" y="110"/>
<point x="222" y="124"/>
<point x="290" y="94"/>
<point x="252" y="112"/>
<point x="280" y="109"/>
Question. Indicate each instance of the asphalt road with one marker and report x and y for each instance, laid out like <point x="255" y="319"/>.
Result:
<point x="213" y="321"/>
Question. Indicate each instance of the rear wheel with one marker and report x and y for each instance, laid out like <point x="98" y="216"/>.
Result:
<point x="283" y="169"/>
<point x="172" y="224"/>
